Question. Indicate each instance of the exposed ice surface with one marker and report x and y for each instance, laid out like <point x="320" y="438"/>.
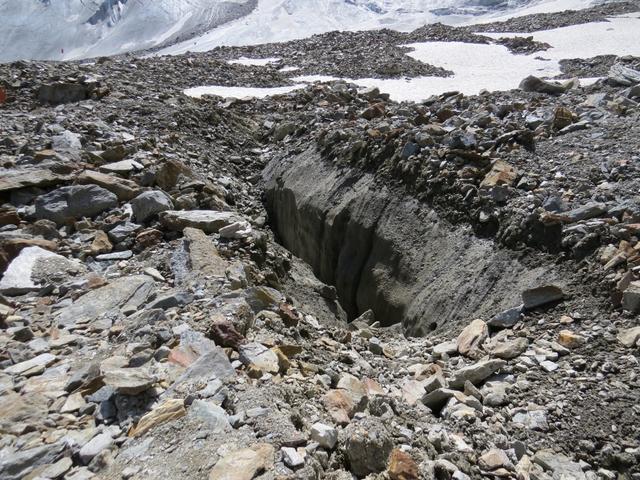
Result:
<point x="282" y="20"/>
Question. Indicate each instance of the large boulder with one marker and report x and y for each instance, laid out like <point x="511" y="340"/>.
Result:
<point x="535" y="84"/>
<point x="30" y="270"/>
<point x="63" y="92"/>
<point x="77" y="201"/>
<point x="367" y="447"/>
<point x="148" y="204"/>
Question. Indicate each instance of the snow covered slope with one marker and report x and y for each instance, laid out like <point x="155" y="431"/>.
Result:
<point x="73" y="29"/>
<point x="282" y="20"/>
<point x="70" y="29"/>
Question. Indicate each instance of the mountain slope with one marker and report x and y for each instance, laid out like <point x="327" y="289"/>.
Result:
<point x="73" y="29"/>
<point x="70" y="29"/>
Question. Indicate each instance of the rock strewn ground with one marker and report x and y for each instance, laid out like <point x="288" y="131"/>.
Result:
<point x="168" y="334"/>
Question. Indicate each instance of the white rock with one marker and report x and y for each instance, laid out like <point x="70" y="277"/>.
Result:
<point x="96" y="445"/>
<point x="17" y="278"/>
<point x="325" y="435"/>
<point x="292" y="458"/>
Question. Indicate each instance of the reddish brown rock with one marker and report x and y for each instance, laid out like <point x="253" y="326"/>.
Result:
<point x="402" y="466"/>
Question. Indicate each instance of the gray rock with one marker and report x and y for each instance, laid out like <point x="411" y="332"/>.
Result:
<point x="510" y="348"/>
<point x="40" y="362"/>
<point x="211" y="415"/>
<point x="476" y="373"/>
<point x="178" y="299"/>
<point x="68" y="203"/>
<point x="15" y="466"/>
<point x="259" y="356"/>
<point x="209" y="221"/>
<point x="132" y="291"/>
<point x="506" y="319"/>
<point x="367" y="447"/>
<point x="629" y="337"/>
<point x="67" y="142"/>
<point x="129" y="381"/>
<point x="29" y="270"/>
<point x="148" y="204"/>
<point x="536" y="297"/>
<point x="585" y="212"/>
<point x="535" y="84"/>
<point x="325" y="435"/>
<point x="96" y="445"/>
<point x="560" y="465"/>
<point x="62" y="92"/>
<point x="123" y="232"/>
<point x="631" y="297"/>
<point x="115" y="256"/>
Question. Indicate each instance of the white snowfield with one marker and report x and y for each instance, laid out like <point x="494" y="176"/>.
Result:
<point x="493" y="67"/>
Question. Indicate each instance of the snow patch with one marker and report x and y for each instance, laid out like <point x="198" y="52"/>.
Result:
<point x="240" y="92"/>
<point x="258" y="62"/>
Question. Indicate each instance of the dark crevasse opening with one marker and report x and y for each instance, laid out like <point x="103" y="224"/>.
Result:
<point x="387" y="252"/>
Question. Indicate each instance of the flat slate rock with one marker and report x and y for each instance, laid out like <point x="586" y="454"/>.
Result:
<point x="209" y="221"/>
<point x="132" y="290"/>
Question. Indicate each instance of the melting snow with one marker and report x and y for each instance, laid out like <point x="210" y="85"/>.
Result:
<point x="258" y="62"/>
<point x="240" y="92"/>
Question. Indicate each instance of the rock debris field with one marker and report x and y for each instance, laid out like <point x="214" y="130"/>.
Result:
<point x="325" y="284"/>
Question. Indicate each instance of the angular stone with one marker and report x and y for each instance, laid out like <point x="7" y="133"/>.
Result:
<point x="132" y="290"/>
<point x="535" y="84"/>
<point x="472" y="336"/>
<point x="209" y="221"/>
<point x="225" y="334"/>
<point x="58" y="469"/>
<point x="494" y="459"/>
<point x="437" y="398"/>
<point x="17" y="179"/>
<point x="96" y="445"/>
<point x="129" y="381"/>
<point x="509" y="349"/>
<point x="68" y="203"/>
<point x="213" y="417"/>
<point x="171" y="409"/>
<point x="631" y="297"/>
<point x="536" y="297"/>
<point x="629" y="337"/>
<point x="560" y="465"/>
<point x="340" y="406"/>
<point x="16" y="466"/>
<point x="293" y="458"/>
<point x="506" y="319"/>
<point x="402" y="466"/>
<point x="100" y="244"/>
<point x="122" y="166"/>
<point x="23" y="274"/>
<point x="446" y="348"/>
<point x="259" y="356"/>
<point x="501" y="174"/>
<point x="204" y="259"/>
<point x="124" y="189"/>
<point x="368" y="446"/>
<point x="570" y="340"/>
<point x="40" y="362"/>
<point x="243" y="464"/>
<point x="476" y="373"/>
<point x="148" y="204"/>
<point x="325" y="435"/>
